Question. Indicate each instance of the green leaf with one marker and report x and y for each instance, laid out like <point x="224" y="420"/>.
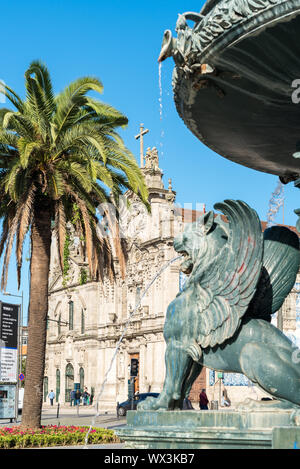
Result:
<point x="72" y="98"/>
<point x="26" y="149"/>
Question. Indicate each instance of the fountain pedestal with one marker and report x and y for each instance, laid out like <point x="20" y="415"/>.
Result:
<point x="228" y="429"/>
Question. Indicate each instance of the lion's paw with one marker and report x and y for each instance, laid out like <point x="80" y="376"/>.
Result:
<point x="148" y="404"/>
<point x="152" y="403"/>
<point x="295" y="418"/>
<point x="247" y="404"/>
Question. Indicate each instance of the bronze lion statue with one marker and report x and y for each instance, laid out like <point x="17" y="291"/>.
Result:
<point x="238" y="277"/>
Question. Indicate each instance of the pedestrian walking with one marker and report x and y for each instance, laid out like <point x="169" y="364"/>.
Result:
<point x="72" y="398"/>
<point x="187" y="405"/>
<point x="85" y="397"/>
<point x="203" y="400"/>
<point x="77" y="397"/>
<point x="51" y="396"/>
<point x="225" y="399"/>
<point x="92" y="396"/>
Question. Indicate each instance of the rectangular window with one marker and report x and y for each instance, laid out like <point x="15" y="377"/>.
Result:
<point x="137" y="296"/>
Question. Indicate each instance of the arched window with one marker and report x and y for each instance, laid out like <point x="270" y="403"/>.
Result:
<point x="69" y="381"/>
<point x="57" y="385"/>
<point x="82" y="321"/>
<point x="71" y="315"/>
<point x="81" y="379"/>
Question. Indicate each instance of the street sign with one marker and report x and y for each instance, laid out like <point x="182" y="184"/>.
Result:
<point x="21" y="377"/>
<point x="9" y="319"/>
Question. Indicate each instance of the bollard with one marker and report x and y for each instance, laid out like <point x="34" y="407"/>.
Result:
<point x="214" y="405"/>
<point x="57" y="413"/>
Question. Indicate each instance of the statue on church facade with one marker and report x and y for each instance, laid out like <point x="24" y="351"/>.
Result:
<point x="238" y="278"/>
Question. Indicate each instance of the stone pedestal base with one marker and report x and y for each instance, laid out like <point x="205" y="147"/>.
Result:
<point x="210" y="430"/>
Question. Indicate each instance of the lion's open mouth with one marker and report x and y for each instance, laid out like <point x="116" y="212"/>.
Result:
<point x="187" y="265"/>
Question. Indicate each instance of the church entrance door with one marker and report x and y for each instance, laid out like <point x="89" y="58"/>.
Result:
<point x="69" y="382"/>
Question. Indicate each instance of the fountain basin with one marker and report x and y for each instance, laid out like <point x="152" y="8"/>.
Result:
<point x="236" y="82"/>
<point x="221" y="429"/>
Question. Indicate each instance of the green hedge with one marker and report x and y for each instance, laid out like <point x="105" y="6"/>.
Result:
<point x="46" y="436"/>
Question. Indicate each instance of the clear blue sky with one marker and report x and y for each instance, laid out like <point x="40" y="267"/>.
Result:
<point x="119" y="42"/>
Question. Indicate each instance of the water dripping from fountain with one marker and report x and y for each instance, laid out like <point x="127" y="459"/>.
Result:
<point x="276" y="201"/>
<point x="160" y="91"/>
<point x="162" y="134"/>
<point x="120" y="341"/>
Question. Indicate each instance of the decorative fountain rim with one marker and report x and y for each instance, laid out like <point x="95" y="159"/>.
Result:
<point x="229" y="21"/>
<point x="220" y="26"/>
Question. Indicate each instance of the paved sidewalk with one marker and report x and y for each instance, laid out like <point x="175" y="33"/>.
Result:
<point x="80" y="415"/>
<point x="82" y="447"/>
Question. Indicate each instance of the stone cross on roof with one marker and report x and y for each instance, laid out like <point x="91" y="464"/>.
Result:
<point x="141" y="137"/>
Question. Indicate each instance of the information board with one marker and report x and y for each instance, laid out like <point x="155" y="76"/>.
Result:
<point x="9" y="318"/>
<point x="8" y="394"/>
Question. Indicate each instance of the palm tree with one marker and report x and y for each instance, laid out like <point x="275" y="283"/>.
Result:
<point x="60" y="157"/>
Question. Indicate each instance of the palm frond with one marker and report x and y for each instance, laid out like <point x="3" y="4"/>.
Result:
<point x="43" y="79"/>
<point x="5" y="231"/>
<point x="87" y="221"/>
<point x="69" y="101"/>
<point x="12" y="96"/>
<point x="26" y="148"/>
<point x="8" y="138"/>
<point x="19" y="124"/>
<point x="35" y="106"/>
<point x="23" y="227"/>
<point x="9" y="244"/>
<point x="114" y="235"/>
<point x="9" y="181"/>
<point x="105" y="114"/>
<point x="60" y="230"/>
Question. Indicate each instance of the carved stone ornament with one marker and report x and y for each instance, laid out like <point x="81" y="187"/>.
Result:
<point x="135" y="222"/>
<point x="152" y="159"/>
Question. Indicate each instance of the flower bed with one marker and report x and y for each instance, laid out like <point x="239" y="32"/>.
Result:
<point x="53" y="435"/>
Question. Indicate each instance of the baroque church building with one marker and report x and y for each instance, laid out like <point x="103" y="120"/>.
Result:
<point x="96" y="328"/>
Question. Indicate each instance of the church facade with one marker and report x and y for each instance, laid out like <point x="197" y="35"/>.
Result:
<point x="95" y="329"/>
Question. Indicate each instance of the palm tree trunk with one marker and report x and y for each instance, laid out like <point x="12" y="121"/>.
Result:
<point x="38" y="310"/>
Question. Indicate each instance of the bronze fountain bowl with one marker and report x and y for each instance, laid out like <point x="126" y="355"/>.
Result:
<point x="237" y="81"/>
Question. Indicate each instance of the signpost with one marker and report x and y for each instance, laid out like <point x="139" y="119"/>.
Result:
<point x="9" y="345"/>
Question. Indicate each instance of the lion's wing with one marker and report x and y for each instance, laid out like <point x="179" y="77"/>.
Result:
<point x="229" y="283"/>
